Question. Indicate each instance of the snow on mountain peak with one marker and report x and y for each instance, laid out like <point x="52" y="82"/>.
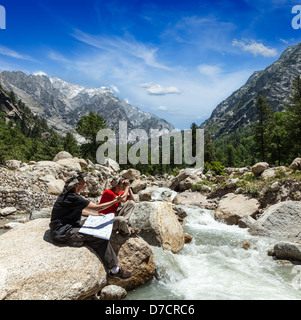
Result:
<point x="71" y="90"/>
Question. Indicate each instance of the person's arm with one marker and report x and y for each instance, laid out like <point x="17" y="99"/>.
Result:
<point x="125" y="195"/>
<point x="99" y="207"/>
<point x="128" y="193"/>
<point x="87" y="213"/>
<point x="132" y="197"/>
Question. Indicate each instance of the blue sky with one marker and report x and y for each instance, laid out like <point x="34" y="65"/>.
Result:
<point x="176" y="59"/>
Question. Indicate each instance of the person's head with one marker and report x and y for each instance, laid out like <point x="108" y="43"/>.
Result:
<point x="117" y="184"/>
<point x="76" y="183"/>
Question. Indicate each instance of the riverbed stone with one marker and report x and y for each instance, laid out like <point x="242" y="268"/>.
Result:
<point x="112" y="292"/>
<point x="159" y="225"/>
<point x="281" y="220"/>
<point x="288" y="250"/>
<point x="190" y="198"/>
<point x="234" y="207"/>
<point x="7" y="211"/>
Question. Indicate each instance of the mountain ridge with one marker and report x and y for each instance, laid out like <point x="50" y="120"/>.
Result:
<point x="273" y="83"/>
<point x="63" y="103"/>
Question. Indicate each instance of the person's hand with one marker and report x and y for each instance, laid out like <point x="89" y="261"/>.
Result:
<point x="126" y="183"/>
<point x="119" y="198"/>
<point x="101" y="214"/>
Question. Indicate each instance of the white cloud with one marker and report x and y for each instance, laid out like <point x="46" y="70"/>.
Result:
<point x="13" y="54"/>
<point x="58" y="57"/>
<point x="126" y="47"/>
<point x="256" y="48"/>
<point x="163" y="108"/>
<point x="157" y="89"/>
<point x="209" y="70"/>
<point x="145" y="85"/>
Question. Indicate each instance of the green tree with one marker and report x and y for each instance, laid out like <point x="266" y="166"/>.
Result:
<point x="88" y="127"/>
<point x="230" y="155"/>
<point x="52" y="145"/>
<point x="209" y="154"/>
<point x="70" y="144"/>
<point x="293" y="118"/>
<point x="279" y="142"/>
<point x="261" y="127"/>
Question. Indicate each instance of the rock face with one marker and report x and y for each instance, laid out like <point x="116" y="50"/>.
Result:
<point x="31" y="267"/>
<point x="273" y="83"/>
<point x="282" y="220"/>
<point x="159" y="225"/>
<point x="233" y="207"/>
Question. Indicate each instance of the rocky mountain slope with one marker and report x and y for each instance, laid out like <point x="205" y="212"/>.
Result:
<point x="10" y="109"/>
<point x="273" y="83"/>
<point x="63" y="104"/>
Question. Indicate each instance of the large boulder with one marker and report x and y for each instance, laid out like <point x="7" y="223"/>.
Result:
<point x="41" y="165"/>
<point x="71" y="164"/>
<point x="186" y="179"/>
<point x="130" y="174"/>
<point x="135" y="255"/>
<point x="296" y="164"/>
<point x="62" y="155"/>
<point x="138" y="185"/>
<point x="259" y="167"/>
<point x="110" y="163"/>
<point x="281" y="220"/>
<point x="159" y="225"/>
<point x="13" y="164"/>
<point x="55" y="187"/>
<point x="233" y="207"/>
<point x="33" y="268"/>
<point x="183" y="174"/>
<point x="190" y="198"/>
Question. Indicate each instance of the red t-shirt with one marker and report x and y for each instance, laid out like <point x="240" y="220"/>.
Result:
<point x="107" y="196"/>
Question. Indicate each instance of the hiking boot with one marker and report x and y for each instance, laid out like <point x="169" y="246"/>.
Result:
<point x="122" y="274"/>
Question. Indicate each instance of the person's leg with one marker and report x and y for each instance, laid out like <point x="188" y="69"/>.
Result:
<point x="120" y="224"/>
<point x="127" y="210"/>
<point x="102" y="247"/>
<point x="104" y="250"/>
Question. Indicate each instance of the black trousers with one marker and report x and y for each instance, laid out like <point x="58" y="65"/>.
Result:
<point x="103" y="248"/>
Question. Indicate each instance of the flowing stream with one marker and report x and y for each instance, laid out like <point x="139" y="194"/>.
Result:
<point x="215" y="266"/>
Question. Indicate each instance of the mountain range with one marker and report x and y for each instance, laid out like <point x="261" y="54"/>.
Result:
<point x="62" y="104"/>
<point x="274" y="84"/>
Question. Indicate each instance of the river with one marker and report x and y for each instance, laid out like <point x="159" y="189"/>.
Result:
<point x="215" y="266"/>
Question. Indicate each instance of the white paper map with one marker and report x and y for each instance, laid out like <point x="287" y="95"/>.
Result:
<point x="99" y="226"/>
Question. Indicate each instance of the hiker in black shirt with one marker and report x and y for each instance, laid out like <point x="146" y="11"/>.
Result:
<point x="66" y="222"/>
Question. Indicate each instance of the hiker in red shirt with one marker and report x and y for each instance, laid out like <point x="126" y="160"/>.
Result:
<point x="116" y="188"/>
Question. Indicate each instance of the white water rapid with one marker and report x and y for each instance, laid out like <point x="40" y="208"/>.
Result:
<point x="216" y="267"/>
